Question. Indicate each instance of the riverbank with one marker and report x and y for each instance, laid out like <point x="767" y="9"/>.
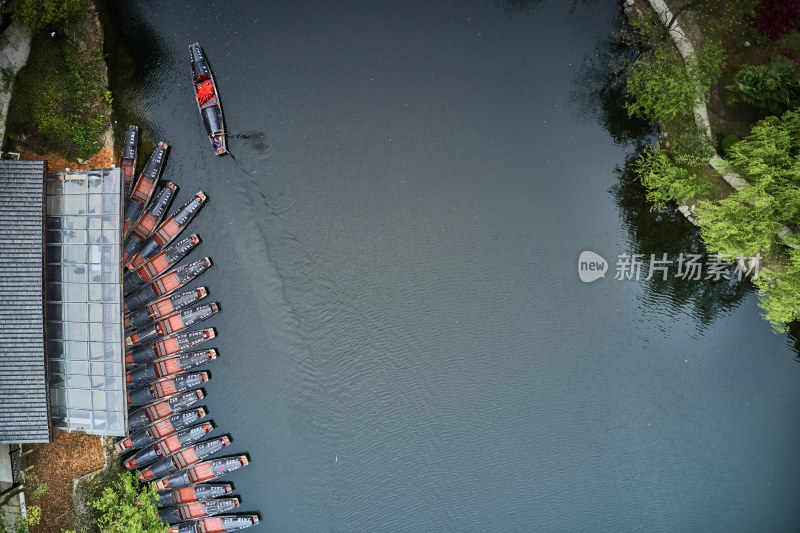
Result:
<point x="706" y="75"/>
<point x="61" y="103"/>
<point x="57" y="107"/>
<point x="686" y="38"/>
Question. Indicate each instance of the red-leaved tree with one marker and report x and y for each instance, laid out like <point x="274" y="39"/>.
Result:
<point x="776" y="18"/>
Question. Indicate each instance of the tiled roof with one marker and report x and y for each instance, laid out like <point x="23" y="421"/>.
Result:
<point x="23" y="385"/>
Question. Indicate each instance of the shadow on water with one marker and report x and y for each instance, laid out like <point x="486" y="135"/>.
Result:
<point x="129" y="67"/>
<point x="598" y="95"/>
<point x="667" y="231"/>
<point x="518" y="7"/>
<point x="794" y="338"/>
<point x="525" y="7"/>
<point x="598" y="91"/>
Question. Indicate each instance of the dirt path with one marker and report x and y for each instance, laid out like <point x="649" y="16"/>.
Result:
<point x="56" y="163"/>
<point x="68" y="457"/>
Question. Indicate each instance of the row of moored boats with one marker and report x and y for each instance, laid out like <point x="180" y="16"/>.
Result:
<point x="170" y="439"/>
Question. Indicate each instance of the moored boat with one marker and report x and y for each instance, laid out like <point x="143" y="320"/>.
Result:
<point x="162" y="409"/>
<point x="169" y="346"/>
<point x="148" y="222"/>
<point x="172" y="324"/>
<point x="168" y="445"/>
<point x="216" y="524"/>
<point x="160" y="429"/>
<point x="127" y="160"/>
<point x="207" y="98"/>
<point x="183" y="458"/>
<point x="201" y="472"/>
<point x="166" y="284"/>
<point x="159" y="263"/>
<point x="167" y="387"/>
<point x="169" y="366"/>
<point x="144" y="187"/>
<point x="163" y="308"/>
<point x="192" y="511"/>
<point x="168" y="230"/>
<point x="194" y="493"/>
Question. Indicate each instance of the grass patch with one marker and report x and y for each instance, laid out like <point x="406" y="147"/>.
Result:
<point x="61" y="102"/>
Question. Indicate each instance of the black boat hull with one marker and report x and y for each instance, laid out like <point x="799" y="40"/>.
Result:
<point x="207" y="99"/>
<point x="194" y="493"/>
<point x="162" y="409"/>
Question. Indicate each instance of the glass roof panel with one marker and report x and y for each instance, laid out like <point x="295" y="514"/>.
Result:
<point x="84" y="301"/>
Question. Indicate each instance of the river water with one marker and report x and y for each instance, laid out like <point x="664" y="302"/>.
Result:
<point x="405" y="344"/>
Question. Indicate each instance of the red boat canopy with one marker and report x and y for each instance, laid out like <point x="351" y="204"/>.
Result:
<point x="205" y="92"/>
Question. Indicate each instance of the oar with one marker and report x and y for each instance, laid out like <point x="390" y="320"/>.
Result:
<point x="236" y="162"/>
<point x="246" y="133"/>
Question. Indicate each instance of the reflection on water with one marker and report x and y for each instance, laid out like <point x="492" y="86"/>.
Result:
<point x="519" y="7"/>
<point x="667" y="231"/>
<point x="132" y="64"/>
<point x="598" y="93"/>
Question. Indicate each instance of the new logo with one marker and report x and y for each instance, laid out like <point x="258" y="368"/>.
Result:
<point x="591" y="266"/>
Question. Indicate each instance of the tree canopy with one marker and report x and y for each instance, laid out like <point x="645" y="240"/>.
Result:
<point x="663" y="87"/>
<point x="665" y="180"/>
<point x="35" y="15"/>
<point x="779" y="289"/>
<point x="751" y="220"/>
<point x="127" y="506"/>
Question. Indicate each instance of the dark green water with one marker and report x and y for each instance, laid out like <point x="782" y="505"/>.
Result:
<point x="405" y="343"/>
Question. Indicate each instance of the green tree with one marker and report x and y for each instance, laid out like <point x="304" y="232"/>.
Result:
<point x="127" y="506"/>
<point x="675" y="174"/>
<point x="744" y="223"/>
<point x="663" y="87"/>
<point x="749" y="221"/>
<point x="772" y="86"/>
<point x="665" y="180"/>
<point x="35" y="15"/>
<point x="779" y="290"/>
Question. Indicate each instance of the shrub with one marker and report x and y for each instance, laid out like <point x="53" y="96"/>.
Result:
<point x="727" y="142"/>
<point x="35" y="15"/>
<point x="691" y="148"/>
<point x="771" y="86"/>
<point x="127" y="506"/>
<point x="23" y="524"/>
